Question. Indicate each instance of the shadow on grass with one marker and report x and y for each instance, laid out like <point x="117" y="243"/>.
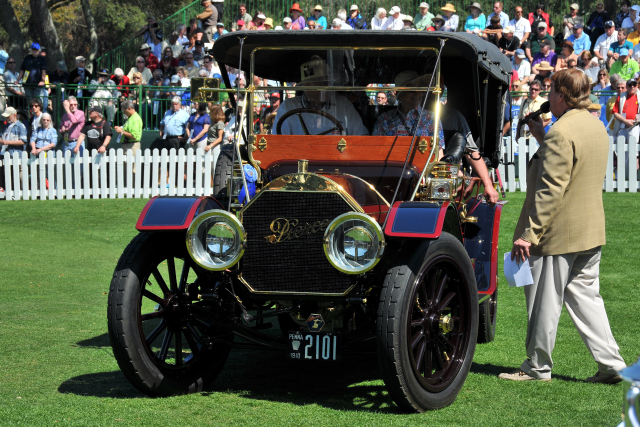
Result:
<point x="351" y="384"/>
<point x="495" y="370"/>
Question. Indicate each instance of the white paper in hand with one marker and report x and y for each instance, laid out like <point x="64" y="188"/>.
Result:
<point x="517" y="274"/>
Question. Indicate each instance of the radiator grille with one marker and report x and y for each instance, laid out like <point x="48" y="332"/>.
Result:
<point x="298" y="265"/>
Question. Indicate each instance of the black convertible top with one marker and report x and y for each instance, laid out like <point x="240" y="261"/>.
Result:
<point x="283" y="65"/>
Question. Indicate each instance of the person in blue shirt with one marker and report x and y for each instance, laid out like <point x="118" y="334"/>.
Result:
<point x="219" y="31"/>
<point x="497" y="10"/>
<point x="356" y="20"/>
<point x="321" y="21"/>
<point x="476" y="21"/>
<point x="580" y="39"/>
<point x="172" y="126"/>
<point x="45" y="137"/>
<point x="614" y="49"/>
<point x="14" y="137"/>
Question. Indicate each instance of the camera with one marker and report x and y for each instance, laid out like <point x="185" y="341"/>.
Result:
<point x="154" y="25"/>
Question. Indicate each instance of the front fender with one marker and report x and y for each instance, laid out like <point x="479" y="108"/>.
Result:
<point x="173" y="213"/>
<point x="416" y="219"/>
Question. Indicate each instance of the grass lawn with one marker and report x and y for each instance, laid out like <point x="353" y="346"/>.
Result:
<point x="56" y="365"/>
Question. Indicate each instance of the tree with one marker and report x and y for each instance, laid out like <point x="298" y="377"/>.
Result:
<point x="11" y="25"/>
<point x="93" y="35"/>
<point x="46" y="30"/>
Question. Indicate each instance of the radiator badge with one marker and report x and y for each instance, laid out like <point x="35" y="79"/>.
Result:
<point x="315" y="322"/>
<point x="285" y="229"/>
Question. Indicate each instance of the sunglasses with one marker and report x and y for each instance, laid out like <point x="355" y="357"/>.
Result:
<point x="534" y="90"/>
<point x="140" y="62"/>
<point x="73" y="103"/>
<point x="632" y="84"/>
<point x="601" y="75"/>
<point x="35" y="106"/>
<point x="11" y="62"/>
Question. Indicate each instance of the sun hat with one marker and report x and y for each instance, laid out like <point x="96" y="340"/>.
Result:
<point x="476" y="5"/>
<point x="103" y="72"/>
<point x="404" y="77"/>
<point x="448" y="8"/>
<point x="424" y="4"/>
<point x="9" y="111"/>
<point x="61" y="65"/>
<point x="295" y="7"/>
<point x="287" y="19"/>
<point x="508" y="30"/>
<point x="318" y="7"/>
<point x="268" y="22"/>
<point x="175" y="79"/>
<point x="438" y="18"/>
<point x="545" y="65"/>
<point x="575" y="6"/>
<point x="407" y="18"/>
<point x="97" y="109"/>
<point x="145" y="46"/>
<point x="261" y="16"/>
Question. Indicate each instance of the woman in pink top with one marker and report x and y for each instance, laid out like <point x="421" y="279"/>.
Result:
<point x="296" y="16"/>
<point x="72" y="123"/>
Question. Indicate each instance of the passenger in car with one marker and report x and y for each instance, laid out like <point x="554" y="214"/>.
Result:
<point x="409" y="119"/>
<point x="322" y="104"/>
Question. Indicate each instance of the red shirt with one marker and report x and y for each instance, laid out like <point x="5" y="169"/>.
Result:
<point x="152" y="62"/>
<point x="630" y="108"/>
<point x="124" y="81"/>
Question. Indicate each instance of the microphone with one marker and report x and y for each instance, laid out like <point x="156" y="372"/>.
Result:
<point x="544" y="109"/>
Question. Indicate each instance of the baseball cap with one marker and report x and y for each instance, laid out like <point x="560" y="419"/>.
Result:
<point x="545" y="43"/>
<point x="578" y="25"/>
<point x="219" y="24"/>
<point x="393" y="10"/>
<point x="175" y="79"/>
<point x="274" y="95"/>
<point x="354" y="7"/>
<point x="520" y="53"/>
<point x="35" y="46"/>
<point x="240" y="22"/>
<point x="542" y="24"/>
<point x="103" y="72"/>
<point x="9" y="111"/>
<point x="145" y="46"/>
<point x="635" y="7"/>
<point x="609" y="24"/>
<point x="623" y="52"/>
<point x="509" y="29"/>
<point x="287" y="19"/>
<point x="318" y="7"/>
<point x="261" y="16"/>
<point x="97" y="109"/>
<point x="575" y="6"/>
<point x="424" y="4"/>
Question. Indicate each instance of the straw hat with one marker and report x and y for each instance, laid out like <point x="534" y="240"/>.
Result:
<point x="448" y="8"/>
<point x="268" y="22"/>
<point x="438" y="18"/>
<point x="545" y="65"/>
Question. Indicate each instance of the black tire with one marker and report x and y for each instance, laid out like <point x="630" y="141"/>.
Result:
<point x="423" y="366"/>
<point x="164" y="350"/>
<point x="223" y="171"/>
<point x="487" y="319"/>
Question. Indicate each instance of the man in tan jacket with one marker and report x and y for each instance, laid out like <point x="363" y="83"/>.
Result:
<point x="561" y="230"/>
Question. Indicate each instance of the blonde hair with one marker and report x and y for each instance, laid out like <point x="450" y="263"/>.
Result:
<point x="380" y="11"/>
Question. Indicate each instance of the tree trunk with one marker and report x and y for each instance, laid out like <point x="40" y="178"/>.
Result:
<point x="11" y="25"/>
<point x="93" y="34"/>
<point x="47" y="32"/>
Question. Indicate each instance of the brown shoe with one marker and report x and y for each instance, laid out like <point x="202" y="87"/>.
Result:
<point x="601" y="378"/>
<point x="521" y="375"/>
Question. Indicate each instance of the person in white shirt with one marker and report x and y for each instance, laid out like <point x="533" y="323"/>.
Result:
<point x="521" y="65"/>
<point x="521" y="25"/>
<point x="379" y="20"/>
<point x="604" y="41"/>
<point x="632" y="18"/>
<point x="451" y="19"/>
<point x="394" y="21"/>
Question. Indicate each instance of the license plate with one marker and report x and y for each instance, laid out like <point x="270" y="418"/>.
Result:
<point x="315" y="346"/>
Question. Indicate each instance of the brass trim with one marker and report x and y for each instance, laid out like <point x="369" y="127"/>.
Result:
<point x="342" y="145"/>
<point x="319" y="294"/>
<point x="423" y="146"/>
<point x="262" y="144"/>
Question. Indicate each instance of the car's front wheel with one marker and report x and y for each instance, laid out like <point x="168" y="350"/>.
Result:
<point x="163" y="342"/>
<point x="428" y="325"/>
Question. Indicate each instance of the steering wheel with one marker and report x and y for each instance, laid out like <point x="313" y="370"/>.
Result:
<point x="298" y="111"/>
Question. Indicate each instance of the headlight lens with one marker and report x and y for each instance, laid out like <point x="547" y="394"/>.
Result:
<point x="353" y="243"/>
<point x="216" y="240"/>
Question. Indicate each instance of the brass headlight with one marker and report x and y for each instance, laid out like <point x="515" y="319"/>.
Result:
<point x="216" y="240"/>
<point x="353" y="243"/>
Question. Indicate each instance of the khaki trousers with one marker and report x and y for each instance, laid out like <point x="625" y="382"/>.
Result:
<point x="573" y="279"/>
<point x="134" y="147"/>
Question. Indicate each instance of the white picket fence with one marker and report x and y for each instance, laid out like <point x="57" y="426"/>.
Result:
<point x="109" y="175"/>
<point x="614" y="180"/>
<point x="89" y="177"/>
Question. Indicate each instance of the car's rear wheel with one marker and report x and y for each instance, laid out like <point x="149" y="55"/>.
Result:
<point x="487" y="322"/>
<point x="427" y="325"/>
<point x="162" y="342"/>
<point x="223" y="171"/>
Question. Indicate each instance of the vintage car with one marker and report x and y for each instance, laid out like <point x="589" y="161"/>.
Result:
<point x="345" y="223"/>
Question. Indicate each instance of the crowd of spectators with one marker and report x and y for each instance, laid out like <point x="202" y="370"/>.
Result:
<point x="601" y="44"/>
